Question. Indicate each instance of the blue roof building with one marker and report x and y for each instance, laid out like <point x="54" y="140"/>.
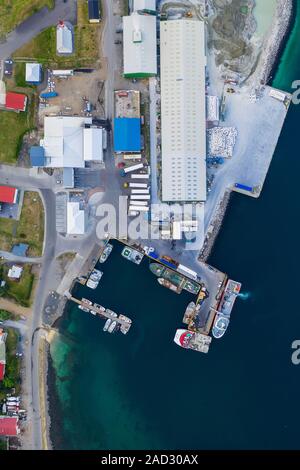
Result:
<point x="37" y="156"/>
<point x="127" y="135"/>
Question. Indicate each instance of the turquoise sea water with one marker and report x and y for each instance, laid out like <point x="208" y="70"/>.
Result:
<point x="141" y="390"/>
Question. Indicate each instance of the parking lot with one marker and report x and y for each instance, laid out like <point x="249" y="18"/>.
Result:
<point x="61" y="212"/>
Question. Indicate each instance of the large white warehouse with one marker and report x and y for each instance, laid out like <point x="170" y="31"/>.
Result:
<point x="140" y="5"/>
<point x="183" y="122"/>
<point x="139" y="45"/>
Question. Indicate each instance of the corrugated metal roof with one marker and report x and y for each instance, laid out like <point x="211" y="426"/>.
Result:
<point x="139" y="45"/>
<point x="64" y="39"/>
<point x="94" y="9"/>
<point x="8" y="194"/>
<point x="9" y="426"/>
<point x="127" y="134"/>
<point x="37" y="155"/>
<point x="75" y="219"/>
<point x="33" y="72"/>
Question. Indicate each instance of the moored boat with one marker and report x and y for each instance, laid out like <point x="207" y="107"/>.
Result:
<point x="105" y="253"/>
<point x="112" y="327"/>
<point x="190" y="340"/>
<point x="169" y="285"/>
<point x="220" y="326"/>
<point x="106" y="325"/>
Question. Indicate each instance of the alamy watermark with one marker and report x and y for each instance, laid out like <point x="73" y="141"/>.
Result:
<point x="116" y="222"/>
<point x="296" y="94"/>
<point x="296" y="353"/>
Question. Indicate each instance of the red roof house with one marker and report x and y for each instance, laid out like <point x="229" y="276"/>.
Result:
<point x="8" y="194"/>
<point x="9" y="426"/>
<point x="2" y="353"/>
<point x="15" y="101"/>
<point x="2" y="370"/>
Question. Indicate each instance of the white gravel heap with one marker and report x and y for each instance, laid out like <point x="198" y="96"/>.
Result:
<point x="221" y="141"/>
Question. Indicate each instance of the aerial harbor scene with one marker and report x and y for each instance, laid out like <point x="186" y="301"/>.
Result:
<point x="148" y="232"/>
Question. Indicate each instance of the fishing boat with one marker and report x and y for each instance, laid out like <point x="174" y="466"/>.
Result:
<point x="169" y="285"/>
<point x="106" y="325"/>
<point x="220" y="326"/>
<point x="191" y="286"/>
<point x="189" y="313"/>
<point x="86" y="301"/>
<point x="190" y="340"/>
<point x="132" y="255"/>
<point x="105" y="253"/>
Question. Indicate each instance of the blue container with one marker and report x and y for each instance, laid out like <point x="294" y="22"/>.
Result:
<point x="50" y="94"/>
<point x="243" y="187"/>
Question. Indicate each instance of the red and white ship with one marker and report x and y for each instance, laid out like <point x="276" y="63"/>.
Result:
<point x="190" y="340"/>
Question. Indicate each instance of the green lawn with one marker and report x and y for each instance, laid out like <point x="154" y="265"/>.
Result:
<point x="20" y="290"/>
<point x="13" y="126"/>
<point x="13" y="12"/>
<point x="29" y="229"/>
<point x="12" y="368"/>
<point x="43" y="47"/>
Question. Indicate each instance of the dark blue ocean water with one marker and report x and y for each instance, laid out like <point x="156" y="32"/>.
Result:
<point x="141" y="390"/>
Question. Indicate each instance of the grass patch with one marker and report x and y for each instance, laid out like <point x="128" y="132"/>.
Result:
<point x="12" y="369"/>
<point x="20" y="290"/>
<point x="29" y="229"/>
<point x="5" y="315"/>
<point x="14" y="12"/>
<point x="31" y="224"/>
<point x="13" y="127"/>
<point x="42" y="48"/>
<point x="3" y="443"/>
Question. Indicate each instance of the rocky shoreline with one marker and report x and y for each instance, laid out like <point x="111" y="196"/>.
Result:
<point x="273" y="42"/>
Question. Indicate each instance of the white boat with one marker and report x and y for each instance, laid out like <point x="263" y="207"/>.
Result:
<point x="86" y="301"/>
<point x="92" y="284"/>
<point x="112" y="326"/>
<point x="93" y="312"/>
<point x="107" y="323"/>
<point x="85" y="309"/>
<point x="105" y="253"/>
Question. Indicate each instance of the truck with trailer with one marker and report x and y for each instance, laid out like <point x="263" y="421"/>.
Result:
<point x="128" y="169"/>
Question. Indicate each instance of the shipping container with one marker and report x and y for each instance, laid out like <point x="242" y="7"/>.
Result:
<point x="138" y="185"/>
<point x="243" y="187"/>
<point x="138" y="208"/>
<point x="141" y="176"/>
<point x="139" y="191"/>
<point x="145" y="197"/>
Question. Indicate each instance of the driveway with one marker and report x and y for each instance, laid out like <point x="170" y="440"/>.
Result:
<point x="63" y="10"/>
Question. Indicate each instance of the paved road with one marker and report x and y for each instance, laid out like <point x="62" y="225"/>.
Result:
<point x="37" y="23"/>
<point x="18" y="325"/>
<point x="19" y="259"/>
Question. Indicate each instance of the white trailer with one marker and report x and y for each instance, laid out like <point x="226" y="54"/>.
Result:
<point x="138" y="185"/>
<point x="139" y="191"/>
<point x="140" y="197"/>
<point x="139" y="203"/>
<point x="186" y="271"/>
<point x="133" y="168"/>
<point x="144" y="176"/>
<point x="63" y="73"/>
<point x="138" y="208"/>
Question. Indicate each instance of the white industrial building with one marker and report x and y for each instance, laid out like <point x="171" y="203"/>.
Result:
<point x="183" y="114"/>
<point x="64" y="39"/>
<point x="69" y="141"/>
<point x="140" y="5"/>
<point x="93" y="144"/>
<point x="139" y="45"/>
<point x="75" y="219"/>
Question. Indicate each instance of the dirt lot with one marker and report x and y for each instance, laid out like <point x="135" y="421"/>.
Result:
<point x="71" y="91"/>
